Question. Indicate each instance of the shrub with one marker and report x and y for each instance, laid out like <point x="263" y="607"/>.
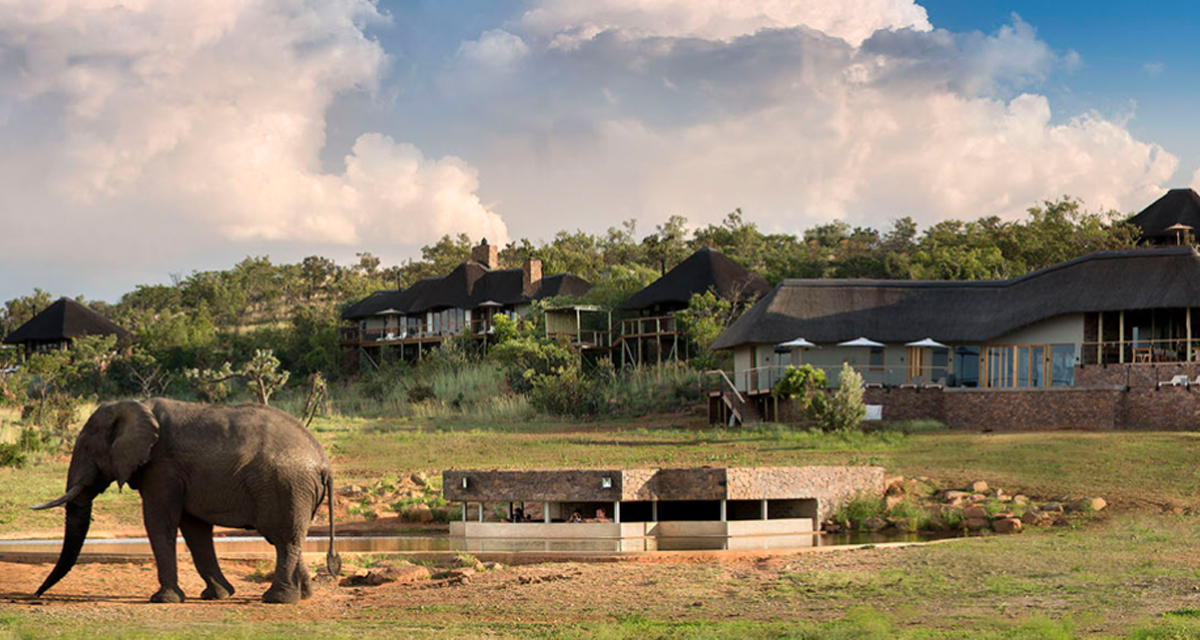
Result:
<point x="525" y="358"/>
<point x="11" y="455"/>
<point x="566" y="392"/>
<point x="845" y="410"/>
<point x="860" y="507"/>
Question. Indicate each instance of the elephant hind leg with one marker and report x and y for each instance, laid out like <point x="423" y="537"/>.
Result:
<point x="284" y="588"/>
<point x="303" y="578"/>
<point x="199" y="538"/>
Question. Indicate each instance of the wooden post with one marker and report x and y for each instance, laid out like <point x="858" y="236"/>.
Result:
<point x="1121" y="336"/>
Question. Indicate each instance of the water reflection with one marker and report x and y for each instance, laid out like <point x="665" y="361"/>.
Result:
<point x="236" y="545"/>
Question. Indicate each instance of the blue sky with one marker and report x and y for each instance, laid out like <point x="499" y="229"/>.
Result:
<point x="143" y="139"/>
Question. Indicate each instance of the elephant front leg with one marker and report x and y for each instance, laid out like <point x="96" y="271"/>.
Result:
<point x="285" y="587"/>
<point x="199" y="538"/>
<point x="162" y="527"/>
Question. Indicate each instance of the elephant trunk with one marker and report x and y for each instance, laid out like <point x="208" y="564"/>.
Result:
<point x="79" y="518"/>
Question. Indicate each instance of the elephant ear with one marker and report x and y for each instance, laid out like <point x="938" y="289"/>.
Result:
<point x="134" y="432"/>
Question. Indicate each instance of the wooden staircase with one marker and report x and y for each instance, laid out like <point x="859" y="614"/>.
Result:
<point x="727" y="406"/>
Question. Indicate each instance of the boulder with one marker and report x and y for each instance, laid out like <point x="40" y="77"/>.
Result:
<point x="1020" y="499"/>
<point x="979" y="486"/>
<point x="1007" y="525"/>
<point x="975" y="513"/>
<point x="917" y="487"/>
<point x="874" y="524"/>
<point x="419" y="479"/>
<point x="975" y="524"/>
<point x="956" y="495"/>
<point x="978" y="497"/>
<point x="1087" y="504"/>
<point x="1033" y="518"/>
<point x="1051" y="507"/>
<point x="893" y="500"/>
<point x="418" y="513"/>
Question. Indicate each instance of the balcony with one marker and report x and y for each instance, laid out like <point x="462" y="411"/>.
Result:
<point x="354" y="336"/>
<point x="1159" y="351"/>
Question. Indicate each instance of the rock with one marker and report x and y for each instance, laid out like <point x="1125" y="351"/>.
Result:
<point x="419" y="479"/>
<point x="892" y="501"/>
<point x="1007" y="525"/>
<point x="1032" y="518"/>
<point x="1051" y="507"/>
<point x="492" y="566"/>
<point x="979" y="486"/>
<point x="455" y="574"/>
<point x="978" y="497"/>
<point x="1020" y="499"/>
<point x="955" y="502"/>
<point x="956" y="495"/>
<point x="917" y="487"/>
<point x="1062" y="521"/>
<point x="874" y="524"/>
<point x="975" y="513"/>
<point x="404" y="574"/>
<point x="1087" y="504"/>
<point x="350" y="490"/>
<point x="975" y="524"/>
<point x="418" y="513"/>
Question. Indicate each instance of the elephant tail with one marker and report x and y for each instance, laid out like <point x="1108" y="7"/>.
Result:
<point x="333" y="561"/>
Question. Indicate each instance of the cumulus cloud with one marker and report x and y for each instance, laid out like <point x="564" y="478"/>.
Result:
<point x="212" y="113"/>
<point x="850" y="20"/>
<point x="625" y="107"/>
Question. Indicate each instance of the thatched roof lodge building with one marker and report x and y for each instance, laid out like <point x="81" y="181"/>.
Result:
<point x="462" y="302"/>
<point x="59" y="324"/>
<point x="1107" y="321"/>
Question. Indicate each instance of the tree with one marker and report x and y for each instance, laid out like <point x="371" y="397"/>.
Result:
<point x="706" y="317"/>
<point x="264" y="375"/>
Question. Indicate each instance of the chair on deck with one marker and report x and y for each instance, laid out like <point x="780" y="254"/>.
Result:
<point x="1177" y="381"/>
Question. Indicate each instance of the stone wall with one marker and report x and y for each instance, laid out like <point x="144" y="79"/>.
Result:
<point x="1166" y="409"/>
<point x="907" y="404"/>
<point x="830" y="486"/>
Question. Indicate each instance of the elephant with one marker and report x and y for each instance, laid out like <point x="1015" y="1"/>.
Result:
<point x="196" y="466"/>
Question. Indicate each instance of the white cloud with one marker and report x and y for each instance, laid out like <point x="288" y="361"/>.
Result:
<point x="212" y="113"/>
<point x="851" y="20"/>
<point x="1153" y="68"/>
<point x="635" y="109"/>
<point x="495" y="48"/>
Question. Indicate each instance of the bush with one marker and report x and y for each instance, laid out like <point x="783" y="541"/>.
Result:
<point x="857" y="509"/>
<point x="845" y="410"/>
<point x="566" y="392"/>
<point x="671" y="386"/>
<point x="11" y="455"/>
<point x="526" y="358"/>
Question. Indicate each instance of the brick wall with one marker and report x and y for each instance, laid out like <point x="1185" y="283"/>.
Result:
<point x="907" y="404"/>
<point x="1032" y="409"/>
<point x="1133" y="375"/>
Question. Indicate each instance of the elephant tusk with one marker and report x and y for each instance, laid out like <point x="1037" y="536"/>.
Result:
<point x="58" y="502"/>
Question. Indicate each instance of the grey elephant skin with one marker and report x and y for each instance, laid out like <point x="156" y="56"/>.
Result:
<point x="196" y="466"/>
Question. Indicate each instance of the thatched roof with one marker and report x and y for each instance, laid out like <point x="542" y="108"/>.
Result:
<point x="705" y="270"/>
<point x="1178" y="206"/>
<point x="466" y="287"/>
<point x="64" y="320"/>
<point x="897" y="311"/>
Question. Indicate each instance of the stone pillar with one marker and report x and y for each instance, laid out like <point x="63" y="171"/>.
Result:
<point x="546" y="512"/>
<point x="723" y="518"/>
<point x="481" y="512"/>
<point x="617" y="512"/>
<point x="763" y="509"/>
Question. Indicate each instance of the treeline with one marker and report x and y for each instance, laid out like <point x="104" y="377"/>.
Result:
<point x="213" y="317"/>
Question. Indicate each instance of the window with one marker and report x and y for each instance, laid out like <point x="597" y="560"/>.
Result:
<point x="1063" y="367"/>
<point x="1030" y="366"/>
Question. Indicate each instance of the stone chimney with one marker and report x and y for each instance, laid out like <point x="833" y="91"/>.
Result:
<point x="531" y="276"/>
<point x="486" y="255"/>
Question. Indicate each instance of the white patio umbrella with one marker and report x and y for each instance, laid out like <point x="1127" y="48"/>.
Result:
<point x="860" y="342"/>
<point x="797" y="343"/>
<point x="916" y="359"/>
<point x="863" y="342"/>
<point x="927" y="343"/>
